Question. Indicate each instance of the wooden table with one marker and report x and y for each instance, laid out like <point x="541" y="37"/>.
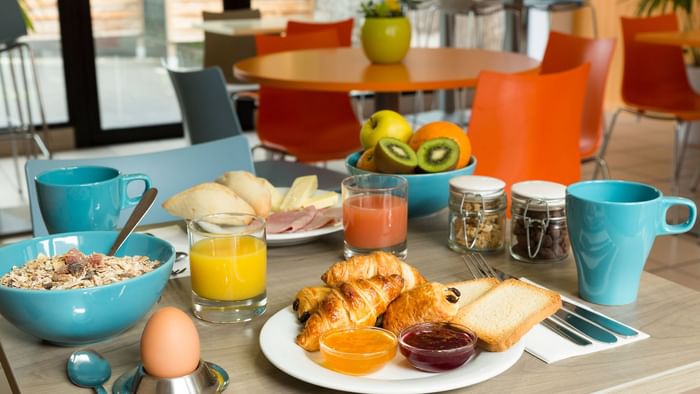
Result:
<point x="249" y="27"/>
<point x="668" y="361"/>
<point x="687" y="38"/>
<point x="346" y="69"/>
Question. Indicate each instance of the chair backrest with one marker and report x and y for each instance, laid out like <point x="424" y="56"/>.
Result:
<point x="651" y="72"/>
<point x="342" y="28"/>
<point x="171" y="172"/>
<point x="565" y="52"/>
<point x="527" y="127"/>
<point x="207" y="110"/>
<point x="12" y="24"/>
<point x="311" y="125"/>
<point x="223" y="50"/>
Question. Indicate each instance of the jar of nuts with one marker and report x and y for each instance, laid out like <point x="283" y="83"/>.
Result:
<point x="538" y="226"/>
<point x="477" y="214"/>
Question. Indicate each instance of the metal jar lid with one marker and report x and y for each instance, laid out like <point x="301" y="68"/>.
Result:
<point x="539" y="195"/>
<point x="483" y="186"/>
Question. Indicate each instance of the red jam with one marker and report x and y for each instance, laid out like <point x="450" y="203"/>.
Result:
<point x="437" y="347"/>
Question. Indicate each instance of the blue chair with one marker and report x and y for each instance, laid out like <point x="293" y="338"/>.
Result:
<point x="170" y="171"/>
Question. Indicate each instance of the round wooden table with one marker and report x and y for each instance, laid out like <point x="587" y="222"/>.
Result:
<point x="346" y="69"/>
<point x="687" y="38"/>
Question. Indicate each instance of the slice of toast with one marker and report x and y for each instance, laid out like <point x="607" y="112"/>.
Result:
<point x="507" y="312"/>
<point x="470" y="290"/>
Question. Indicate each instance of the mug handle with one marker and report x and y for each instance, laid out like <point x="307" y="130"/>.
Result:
<point x="666" y="204"/>
<point x="125" y="180"/>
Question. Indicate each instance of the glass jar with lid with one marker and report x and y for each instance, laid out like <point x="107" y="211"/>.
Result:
<point x="477" y="207"/>
<point x="538" y="222"/>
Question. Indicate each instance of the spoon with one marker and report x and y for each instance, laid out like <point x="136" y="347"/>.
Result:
<point x="139" y="212"/>
<point x="87" y="368"/>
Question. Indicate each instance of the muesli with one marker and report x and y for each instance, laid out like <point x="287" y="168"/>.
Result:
<point x="75" y="270"/>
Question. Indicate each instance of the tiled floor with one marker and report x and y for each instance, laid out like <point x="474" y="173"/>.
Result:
<point x="639" y="150"/>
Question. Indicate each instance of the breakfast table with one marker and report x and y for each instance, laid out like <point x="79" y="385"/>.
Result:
<point x="667" y="361"/>
<point x="347" y="69"/>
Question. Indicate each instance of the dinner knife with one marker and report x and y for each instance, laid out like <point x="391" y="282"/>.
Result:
<point x="574" y="321"/>
<point x="600" y="320"/>
<point x="560" y="329"/>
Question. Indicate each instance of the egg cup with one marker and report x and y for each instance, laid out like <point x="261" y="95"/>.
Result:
<point x="207" y="378"/>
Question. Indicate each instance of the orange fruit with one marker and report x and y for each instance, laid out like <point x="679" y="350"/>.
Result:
<point x="366" y="161"/>
<point x="443" y="129"/>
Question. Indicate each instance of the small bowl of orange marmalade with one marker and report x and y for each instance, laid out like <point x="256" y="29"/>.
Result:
<point x="357" y="350"/>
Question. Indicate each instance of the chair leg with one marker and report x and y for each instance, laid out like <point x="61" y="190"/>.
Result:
<point x="679" y="148"/>
<point x="695" y="182"/>
<point x="606" y="141"/>
<point x="602" y="165"/>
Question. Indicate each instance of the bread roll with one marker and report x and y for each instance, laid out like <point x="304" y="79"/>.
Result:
<point x="206" y="199"/>
<point x="274" y="193"/>
<point x="250" y="188"/>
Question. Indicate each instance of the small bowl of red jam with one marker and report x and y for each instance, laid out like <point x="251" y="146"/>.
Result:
<point x="357" y="350"/>
<point x="437" y="347"/>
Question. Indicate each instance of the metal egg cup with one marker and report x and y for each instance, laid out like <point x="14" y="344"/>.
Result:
<point x="207" y="378"/>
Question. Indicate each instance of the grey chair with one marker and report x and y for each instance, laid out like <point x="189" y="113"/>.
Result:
<point x="208" y="115"/>
<point x="170" y="171"/>
<point x="551" y="6"/>
<point x="16" y="94"/>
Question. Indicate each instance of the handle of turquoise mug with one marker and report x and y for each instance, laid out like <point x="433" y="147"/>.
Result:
<point x="666" y="204"/>
<point x="125" y="180"/>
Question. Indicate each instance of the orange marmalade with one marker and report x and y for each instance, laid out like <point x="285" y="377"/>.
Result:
<point x="358" y="350"/>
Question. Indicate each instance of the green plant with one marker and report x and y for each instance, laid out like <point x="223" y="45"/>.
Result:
<point x="386" y="8"/>
<point x="684" y="8"/>
<point x="25" y="14"/>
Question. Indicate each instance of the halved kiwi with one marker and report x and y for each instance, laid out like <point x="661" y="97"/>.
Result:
<point x="393" y="156"/>
<point x="366" y="161"/>
<point x="437" y="155"/>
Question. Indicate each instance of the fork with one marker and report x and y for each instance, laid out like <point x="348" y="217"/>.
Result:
<point x="479" y="268"/>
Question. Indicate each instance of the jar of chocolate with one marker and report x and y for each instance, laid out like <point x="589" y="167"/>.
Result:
<point x="538" y="222"/>
<point x="477" y="214"/>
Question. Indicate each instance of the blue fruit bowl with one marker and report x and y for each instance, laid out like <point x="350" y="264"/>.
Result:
<point x="80" y="316"/>
<point x="427" y="193"/>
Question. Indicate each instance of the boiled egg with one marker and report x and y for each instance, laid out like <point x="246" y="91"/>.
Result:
<point x="170" y="344"/>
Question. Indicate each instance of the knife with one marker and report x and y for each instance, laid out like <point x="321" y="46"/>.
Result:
<point x="600" y="320"/>
<point x="563" y="331"/>
<point x="572" y="320"/>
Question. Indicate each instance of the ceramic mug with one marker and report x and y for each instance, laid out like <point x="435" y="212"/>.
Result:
<point x="612" y="227"/>
<point x="85" y="197"/>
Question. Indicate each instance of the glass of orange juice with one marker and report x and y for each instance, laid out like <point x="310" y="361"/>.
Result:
<point x="228" y="266"/>
<point x="375" y="214"/>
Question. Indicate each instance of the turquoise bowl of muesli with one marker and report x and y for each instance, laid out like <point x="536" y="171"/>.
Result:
<point x="75" y="295"/>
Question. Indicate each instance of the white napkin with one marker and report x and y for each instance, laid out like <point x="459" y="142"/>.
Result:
<point x="549" y="347"/>
<point x="178" y="239"/>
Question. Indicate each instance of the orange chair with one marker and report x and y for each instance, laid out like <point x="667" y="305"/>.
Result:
<point x="313" y="126"/>
<point x="655" y="84"/>
<point x="343" y="29"/>
<point x="527" y="127"/>
<point x="565" y="52"/>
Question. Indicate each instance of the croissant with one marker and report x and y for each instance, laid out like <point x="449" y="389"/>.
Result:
<point x="429" y="302"/>
<point x="354" y="303"/>
<point x="308" y="300"/>
<point x="376" y="263"/>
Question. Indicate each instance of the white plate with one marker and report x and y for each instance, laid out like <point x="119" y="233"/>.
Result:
<point x="301" y="237"/>
<point x="277" y="343"/>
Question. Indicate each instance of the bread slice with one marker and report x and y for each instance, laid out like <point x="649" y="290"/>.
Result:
<point x="206" y="199"/>
<point x="470" y="290"/>
<point x="250" y="188"/>
<point x="507" y="312"/>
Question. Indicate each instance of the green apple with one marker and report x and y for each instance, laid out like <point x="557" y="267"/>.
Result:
<point x="384" y="123"/>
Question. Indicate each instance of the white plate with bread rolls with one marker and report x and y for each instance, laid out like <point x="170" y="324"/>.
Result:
<point x="277" y="343"/>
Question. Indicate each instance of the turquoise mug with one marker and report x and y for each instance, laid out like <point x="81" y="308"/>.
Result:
<point x="612" y="227"/>
<point x="84" y="198"/>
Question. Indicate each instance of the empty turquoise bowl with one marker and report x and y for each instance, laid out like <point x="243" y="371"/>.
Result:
<point x="80" y="316"/>
<point x="427" y="193"/>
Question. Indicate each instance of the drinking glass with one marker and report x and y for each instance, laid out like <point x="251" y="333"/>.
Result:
<point x="375" y="214"/>
<point x="228" y="266"/>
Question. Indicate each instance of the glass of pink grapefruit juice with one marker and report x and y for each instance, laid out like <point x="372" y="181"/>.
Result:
<point x="375" y="214"/>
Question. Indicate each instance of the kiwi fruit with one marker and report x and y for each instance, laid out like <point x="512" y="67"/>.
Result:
<point x="437" y="155"/>
<point x="366" y="161"/>
<point x="393" y="156"/>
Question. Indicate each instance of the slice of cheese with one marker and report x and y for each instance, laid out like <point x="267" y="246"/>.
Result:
<point x="321" y="200"/>
<point x="302" y="188"/>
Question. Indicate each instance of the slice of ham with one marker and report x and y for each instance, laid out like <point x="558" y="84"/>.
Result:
<point x="289" y="222"/>
<point x="324" y="217"/>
